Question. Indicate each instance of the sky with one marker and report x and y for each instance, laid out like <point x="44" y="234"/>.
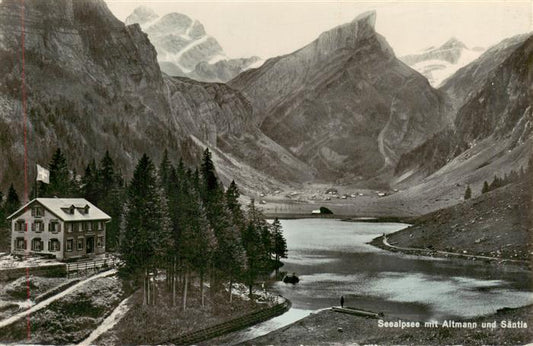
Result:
<point x="271" y="28"/>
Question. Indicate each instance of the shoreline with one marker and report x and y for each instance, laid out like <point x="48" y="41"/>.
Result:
<point x="409" y="221"/>
<point x="346" y="218"/>
<point x="330" y="327"/>
<point x="381" y="242"/>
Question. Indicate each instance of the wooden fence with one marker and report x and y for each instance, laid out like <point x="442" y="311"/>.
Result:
<point x="90" y="266"/>
<point x="231" y="326"/>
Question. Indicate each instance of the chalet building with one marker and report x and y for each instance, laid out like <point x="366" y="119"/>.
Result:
<point x="63" y="227"/>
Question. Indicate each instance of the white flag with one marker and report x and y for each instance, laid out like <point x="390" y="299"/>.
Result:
<point x="43" y="175"/>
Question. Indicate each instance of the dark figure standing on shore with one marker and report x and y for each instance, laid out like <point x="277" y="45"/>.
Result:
<point x="342" y="301"/>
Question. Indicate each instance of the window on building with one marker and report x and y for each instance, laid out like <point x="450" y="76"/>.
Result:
<point x="100" y="225"/>
<point x="37" y="244"/>
<point x="37" y="226"/>
<point x="68" y="227"/>
<point x="100" y="241"/>
<point x="88" y="225"/>
<point x="37" y="211"/>
<point x="70" y="244"/>
<point x="54" y="226"/>
<point x="20" y="226"/>
<point x="75" y="226"/>
<point x="80" y="244"/>
<point x="20" y="244"/>
<point x="83" y="226"/>
<point x="54" y="245"/>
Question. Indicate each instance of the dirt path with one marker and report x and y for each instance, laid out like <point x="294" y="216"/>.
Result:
<point x="425" y="252"/>
<point x="109" y="322"/>
<point x="52" y="299"/>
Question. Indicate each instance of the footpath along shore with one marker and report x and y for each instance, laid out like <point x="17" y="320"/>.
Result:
<point x="383" y="243"/>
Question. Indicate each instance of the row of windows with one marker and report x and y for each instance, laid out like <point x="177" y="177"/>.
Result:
<point x="38" y="245"/>
<point x="38" y="226"/>
<point x="54" y="244"/>
<point x="84" y="226"/>
<point x="54" y="226"/>
<point x="39" y="211"/>
<point x="80" y="243"/>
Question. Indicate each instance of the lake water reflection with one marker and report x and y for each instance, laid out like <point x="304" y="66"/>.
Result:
<point x="332" y="258"/>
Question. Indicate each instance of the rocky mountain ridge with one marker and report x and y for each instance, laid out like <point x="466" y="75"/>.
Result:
<point x="342" y="109"/>
<point x="93" y="84"/>
<point x="185" y="49"/>
<point x="493" y="101"/>
<point x="344" y="104"/>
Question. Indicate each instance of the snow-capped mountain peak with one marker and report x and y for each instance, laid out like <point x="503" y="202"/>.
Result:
<point x="141" y="15"/>
<point x="437" y="64"/>
<point x="184" y="48"/>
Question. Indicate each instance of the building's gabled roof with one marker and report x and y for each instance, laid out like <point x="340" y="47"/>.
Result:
<point x="61" y="208"/>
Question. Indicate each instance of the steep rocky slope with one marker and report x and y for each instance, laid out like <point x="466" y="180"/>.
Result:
<point x="474" y="75"/>
<point x="185" y="49"/>
<point x="496" y="111"/>
<point x="344" y="104"/>
<point x="89" y="81"/>
<point x="437" y="64"/>
<point x="496" y="224"/>
<point x="93" y="84"/>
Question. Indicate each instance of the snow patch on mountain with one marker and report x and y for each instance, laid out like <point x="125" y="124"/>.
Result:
<point x="438" y="64"/>
<point x="257" y="64"/>
<point x="185" y="49"/>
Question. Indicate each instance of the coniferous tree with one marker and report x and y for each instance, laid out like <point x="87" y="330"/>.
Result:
<point x="197" y="243"/>
<point x="232" y="202"/>
<point x="210" y="181"/>
<point x="253" y="238"/>
<point x="90" y="184"/>
<point x="485" y="188"/>
<point x="280" y="244"/>
<point x="165" y="169"/>
<point x="496" y="183"/>
<point x="61" y="182"/>
<point x="228" y="257"/>
<point x="111" y="198"/>
<point x="12" y="203"/>
<point x="468" y="193"/>
<point x="146" y="227"/>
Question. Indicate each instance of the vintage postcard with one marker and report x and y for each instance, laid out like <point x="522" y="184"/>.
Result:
<point x="266" y="172"/>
